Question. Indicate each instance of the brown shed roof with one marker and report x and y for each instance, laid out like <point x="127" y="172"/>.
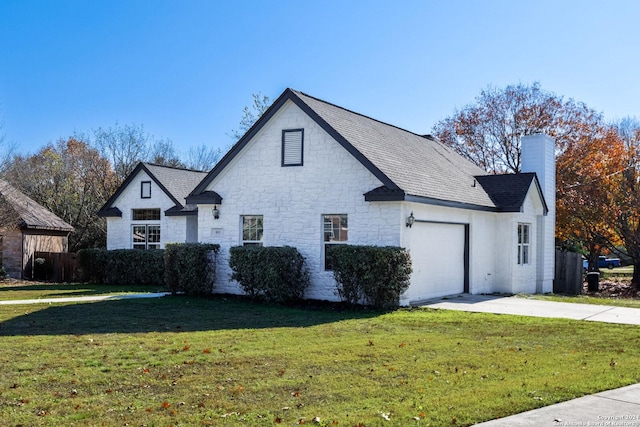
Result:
<point x="27" y="213"/>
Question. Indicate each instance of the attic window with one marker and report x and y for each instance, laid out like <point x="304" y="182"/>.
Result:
<point x="292" y="144"/>
<point x="145" y="189"/>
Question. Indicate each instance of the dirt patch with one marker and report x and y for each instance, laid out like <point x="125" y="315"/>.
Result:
<point x="614" y="288"/>
<point x="16" y="282"/>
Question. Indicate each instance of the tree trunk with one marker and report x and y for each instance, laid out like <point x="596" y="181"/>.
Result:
<point x="593" y="260"/>
<point x="635" y="281"/>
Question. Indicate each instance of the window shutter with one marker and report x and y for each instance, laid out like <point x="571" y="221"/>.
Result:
<point x="292" y="144"/>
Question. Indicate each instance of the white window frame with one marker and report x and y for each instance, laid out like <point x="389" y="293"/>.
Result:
<point x="335" y="231"/>
<point x="252" y="230"/>
<point x="524" y="243"/>
<point x="146" y="236"/>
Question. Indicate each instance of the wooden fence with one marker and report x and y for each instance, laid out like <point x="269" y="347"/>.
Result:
<point x="569" y="273"/>
<point x="54" y="266"/>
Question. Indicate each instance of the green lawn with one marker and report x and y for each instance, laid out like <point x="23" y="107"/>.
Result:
<point x="29" y="290"/>
<point x="222" y="361"/>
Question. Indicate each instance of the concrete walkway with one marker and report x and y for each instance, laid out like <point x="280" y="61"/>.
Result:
<point x="525" y="306"/>
<point x="619" y="407"/>
<point x="84" y="299"/>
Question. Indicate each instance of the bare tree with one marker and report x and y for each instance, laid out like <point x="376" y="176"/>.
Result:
<point x="626" y="194"/>
<point x="488" y="132"/>
<point x="162" y="152"/>
<point x="202" y="157"/>
<point x="6" y="151"/>
<point x="126" y="145"/>
<point x="250" y="114"/>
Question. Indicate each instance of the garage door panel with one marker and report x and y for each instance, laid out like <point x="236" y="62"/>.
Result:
<point x="437" y="253"/>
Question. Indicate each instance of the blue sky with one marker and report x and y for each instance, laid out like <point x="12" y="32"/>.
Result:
<point x="184" y="69"/>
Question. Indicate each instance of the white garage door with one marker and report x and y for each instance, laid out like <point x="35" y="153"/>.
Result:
<point x="437" y="254"/>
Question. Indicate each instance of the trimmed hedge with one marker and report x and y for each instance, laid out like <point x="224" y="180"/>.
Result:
<point x="122" y="266"/>
<point x="273" y="273"/>
<point x="91" y="265"/>
<point x="371" y="275"/>
<point x="190" y="267"/>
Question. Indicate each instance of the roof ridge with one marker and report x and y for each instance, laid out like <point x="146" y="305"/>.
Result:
<point x="172" y="167"/>
<point x="426" y="136"/>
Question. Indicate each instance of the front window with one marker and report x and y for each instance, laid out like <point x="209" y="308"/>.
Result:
<point x="252" y="230"/>
<point x="146" y="237"/>
<point x="335" y="231"/>
<point x="523" y="243"/>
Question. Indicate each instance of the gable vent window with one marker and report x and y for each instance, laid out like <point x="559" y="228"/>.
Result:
<point x="292" y="145"/>
<point x="145" y="189"/>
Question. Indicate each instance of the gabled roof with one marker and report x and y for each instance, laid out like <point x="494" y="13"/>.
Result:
<point x="509" y="191"/>
<point x="410" y="167"/>
<point x="176" y="183"/>
<point x="27" y="213"/>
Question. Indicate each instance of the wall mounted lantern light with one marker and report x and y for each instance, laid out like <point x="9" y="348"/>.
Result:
<point x="216" y="212"/>
<point x="410" y="220"/>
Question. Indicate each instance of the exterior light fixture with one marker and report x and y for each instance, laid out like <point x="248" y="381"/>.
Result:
<point x="410" y="220"/>
<point x="215" y="212"/>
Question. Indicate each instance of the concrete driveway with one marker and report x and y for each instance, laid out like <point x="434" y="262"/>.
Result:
<point x="527" y="306"/>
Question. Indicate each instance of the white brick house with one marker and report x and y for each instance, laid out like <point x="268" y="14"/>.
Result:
<point x="310" y="174"/>
<point x="149" y="208"/>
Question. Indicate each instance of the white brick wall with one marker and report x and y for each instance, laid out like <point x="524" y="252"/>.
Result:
<point x="119" y="230"/>
<point x="292" y="200"/>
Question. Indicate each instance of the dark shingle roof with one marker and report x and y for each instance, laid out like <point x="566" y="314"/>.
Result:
<point x="28" y="213"/>
<point x="419" y="165"/>
<point x="176" y="183"/>
<point x="508" y="191"/>
<point x="410" y="166"/>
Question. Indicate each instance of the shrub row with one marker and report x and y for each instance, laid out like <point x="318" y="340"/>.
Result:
<point x="273" y="273"/>
<point x="122" y="266"/>
<point x="371" y="275"/>
<point x="190" y="267"/>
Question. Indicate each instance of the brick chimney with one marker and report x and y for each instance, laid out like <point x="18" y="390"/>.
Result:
<point x="538" y="155"/>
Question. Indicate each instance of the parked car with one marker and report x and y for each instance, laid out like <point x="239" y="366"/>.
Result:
<point x="603" y="262"/>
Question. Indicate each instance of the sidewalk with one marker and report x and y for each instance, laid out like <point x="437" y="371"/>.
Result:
<point x="84" y="299"/>
<point x="619" y="407"/>
<point x="524" y="306"/>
